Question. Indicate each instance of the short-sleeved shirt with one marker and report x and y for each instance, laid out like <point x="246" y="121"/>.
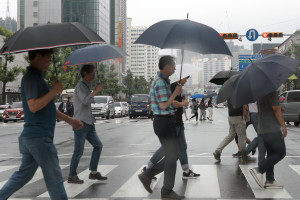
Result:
<point x="160" y="92"/>
<point x="267" y="121"/>
<point x="178" y="111"/>
<point x="202" y="105"/>
<point x="42" y="122"/>
<point x="233" y="112"/>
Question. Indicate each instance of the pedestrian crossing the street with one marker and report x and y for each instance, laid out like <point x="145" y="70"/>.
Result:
<point x="207" y="186"/>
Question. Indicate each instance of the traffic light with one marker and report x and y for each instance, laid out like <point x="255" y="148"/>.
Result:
<point x="272" y="34"/>
<point x="229" y="36"/>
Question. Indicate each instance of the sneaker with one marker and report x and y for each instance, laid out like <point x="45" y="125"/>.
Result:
<point x="217" y="155"/>
<point x="144" y="169"/>
<point x="238" y="154"/>
<point x="189" y="175"/>
<point x="171" y="195"/>
<point x="258" y="177"/>
<point x="75" y="180"/>
<point x="97" y="176"/>
<point x="145" y="181"/>
<point x="273" y="185"/>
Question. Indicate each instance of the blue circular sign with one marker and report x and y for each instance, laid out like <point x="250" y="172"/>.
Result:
<point x="252" y="34"/>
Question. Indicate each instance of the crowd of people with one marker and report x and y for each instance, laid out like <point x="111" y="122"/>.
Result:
<point x="168" y="106"/>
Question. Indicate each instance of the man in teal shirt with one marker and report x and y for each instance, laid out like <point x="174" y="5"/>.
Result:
<point x="36" y="140"/>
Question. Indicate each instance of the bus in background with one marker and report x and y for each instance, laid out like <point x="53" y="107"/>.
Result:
<point x="139" y="106"/>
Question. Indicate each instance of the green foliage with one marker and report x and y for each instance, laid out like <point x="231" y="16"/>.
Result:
<point x="8" y="74"/>
<point x="109" y="80"/>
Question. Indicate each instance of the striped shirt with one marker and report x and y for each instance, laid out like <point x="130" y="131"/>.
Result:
<point x="160" y="92"/>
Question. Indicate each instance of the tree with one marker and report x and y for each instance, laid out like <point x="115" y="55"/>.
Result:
<point x="129" y="88"/>
<point x="294" y="51"/>
<point x="7" y="74"/>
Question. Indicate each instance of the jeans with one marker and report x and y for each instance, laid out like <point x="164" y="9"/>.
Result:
<point x="195" y="115"/>
<point x="37" y="152"/>
<point x="159" y="154"/>
<point x="164" y="128"/>
<point x="257" y="141"/>
<point x="276" y="151"/>
<point x="87" y="132"/>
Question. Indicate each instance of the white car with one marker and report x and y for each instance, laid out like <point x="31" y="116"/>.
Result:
<point x="126" y="107"/>
<point x="119" y="109"/>
<point x="220" y="105"/>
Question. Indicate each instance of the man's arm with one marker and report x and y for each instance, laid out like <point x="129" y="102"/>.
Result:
<point x="37" y="104"/>
<point x="165" y="105"/>
<point x="245" y="112"/>
<point x="178" y="104"/>
<point x="279" y="117"/>
<point x="70" y="120"/>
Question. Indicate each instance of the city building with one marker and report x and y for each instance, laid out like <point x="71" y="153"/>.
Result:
<point x="142" y="59"/>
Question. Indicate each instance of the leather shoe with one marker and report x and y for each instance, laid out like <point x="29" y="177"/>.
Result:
<point x="145" y="181"/>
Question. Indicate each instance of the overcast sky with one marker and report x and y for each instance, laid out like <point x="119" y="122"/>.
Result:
<point x="222" y="15"/>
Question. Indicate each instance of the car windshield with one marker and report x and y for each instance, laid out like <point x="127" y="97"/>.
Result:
<point x="293" y="97"/>
<point x="140" y="98"/>
<point x="16" y="105"/>
<point x="100" y="99"/>
<point x="117" y="104"/>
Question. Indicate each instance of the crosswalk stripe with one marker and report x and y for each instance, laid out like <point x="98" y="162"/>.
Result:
<point x="296" y="168"/>
<point x="258" y="191"/>
<point x="133" y="187"/>
<point x="75" y="189"/>
<point x="205" y="186"/>
<point x="5" y="168"/>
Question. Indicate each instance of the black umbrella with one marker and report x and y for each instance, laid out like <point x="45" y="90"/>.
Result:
<point x="226" y="89"/>
<point x="49" y="36"/>
<point x="222" y="76"/>
<point x="184" y="35"/>
<point x="262" y="77"/>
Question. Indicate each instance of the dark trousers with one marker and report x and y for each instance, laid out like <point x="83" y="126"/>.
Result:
<point x="276" y="151"/>
<point x="195" y="115"/>
<point x="165" y="129"/>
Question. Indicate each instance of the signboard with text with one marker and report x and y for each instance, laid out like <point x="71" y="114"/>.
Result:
<point x="244" y="60"/>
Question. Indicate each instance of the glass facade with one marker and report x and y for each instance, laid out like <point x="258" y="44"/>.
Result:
<point x="22" y="14"/>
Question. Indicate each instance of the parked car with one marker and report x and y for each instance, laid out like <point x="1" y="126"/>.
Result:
<point x="139" y="105"/>
<point x="103" y="107"/>
<point x="126" y="107"/>
<point x="290" y="103"/>
<point x="119" y="109"/>
<point x="14" y="112"/>
<point x="220" y="105"/>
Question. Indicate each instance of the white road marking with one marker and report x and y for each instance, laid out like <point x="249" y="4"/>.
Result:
<point x="74" y="189"/>
<point x="260" y="192"/>
<point x="205" y="186"/>
<point x="133" y="187"/>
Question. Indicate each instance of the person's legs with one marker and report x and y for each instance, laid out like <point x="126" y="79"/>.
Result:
<point x="240" y="126"/>
<point x="157" y="156"/>
<point x="276" y="151"/>
<point x="22" y="176"/>
<point x="183" y="147"/>
<point x="196" y="116"/>
<point x="94" y="140"/>
<point x="79" y="141"/>
<point x="45" y="154"/>
<point x="254" y="120"/>
<point x="228" y="138"/>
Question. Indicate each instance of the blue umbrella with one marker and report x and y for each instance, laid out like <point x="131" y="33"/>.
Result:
<point x="197" y="96"/>
<point x="184" y="35"/>
<point x="93" y="54"/>
<point x="262" y="77"/>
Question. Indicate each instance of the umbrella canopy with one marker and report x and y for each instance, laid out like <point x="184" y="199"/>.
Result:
<point x="94" y="53"/>
<point x="222" y="76"/>
<point x="226" y="89"/>
<point x="197" y="96"/>
<point x="49" y="36"/>
<point x="262" y="77"/>
<point x="189" y="70"/>
<point x="184" y="34"/>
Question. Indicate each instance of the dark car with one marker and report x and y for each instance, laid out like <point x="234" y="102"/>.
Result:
<point x="139" y="106"/>
<point x="290" y="103"/>
<point x="14" y="112"/>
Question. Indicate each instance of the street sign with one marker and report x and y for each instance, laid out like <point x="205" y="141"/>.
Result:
<point x="252" y="34"/>
<point x="244" y="60"/>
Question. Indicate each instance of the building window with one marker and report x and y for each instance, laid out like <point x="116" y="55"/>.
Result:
<point x="35" y="14"/>
<point x="35" y="4"/>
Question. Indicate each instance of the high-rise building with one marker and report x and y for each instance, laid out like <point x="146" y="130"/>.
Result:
<point x="143" y="59"/>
